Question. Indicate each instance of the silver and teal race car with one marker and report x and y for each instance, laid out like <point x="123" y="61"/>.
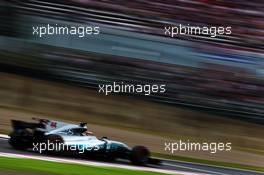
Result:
<point x="55" y="137"/>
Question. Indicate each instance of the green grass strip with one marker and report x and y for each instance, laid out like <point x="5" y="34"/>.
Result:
<point x="46" y="167"/>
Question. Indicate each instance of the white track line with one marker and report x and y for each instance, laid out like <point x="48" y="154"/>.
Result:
<point x="98" y="164"/>
<point x="196" y="169"/>
<point x="213" y="166"/>
<point x="3" y="136"/>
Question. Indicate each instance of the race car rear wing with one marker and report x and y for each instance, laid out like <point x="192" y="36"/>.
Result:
<point x="17" y="124"/>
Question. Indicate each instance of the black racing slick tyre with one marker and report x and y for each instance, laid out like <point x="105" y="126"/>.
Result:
<point x="20" y="140"/>
<point x="54" y="144"/>
<point x="140" y="155"/>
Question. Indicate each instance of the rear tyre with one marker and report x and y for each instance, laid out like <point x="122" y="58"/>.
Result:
<point x="140" y="155"/>
<point x="20" y="139"/>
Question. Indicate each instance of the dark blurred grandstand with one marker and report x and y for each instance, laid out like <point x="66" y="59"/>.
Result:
<point x="227" y="76"/>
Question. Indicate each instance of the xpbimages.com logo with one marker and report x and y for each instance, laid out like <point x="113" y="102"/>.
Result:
<point x="212" y="147"/>
<point x="80" y="31"/>
<point x="213" y="31"/>
<point x="121" y="87"/>
<point x="57" y="147"/>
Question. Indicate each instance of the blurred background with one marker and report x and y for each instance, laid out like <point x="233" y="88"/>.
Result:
<point x="215" y="87"/>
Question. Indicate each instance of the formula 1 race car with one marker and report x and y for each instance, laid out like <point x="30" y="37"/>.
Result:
<point x="46" y="136"/>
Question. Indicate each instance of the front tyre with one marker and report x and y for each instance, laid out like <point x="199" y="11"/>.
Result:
<point x="54" y="144"/>
<point x="140" y="155"/>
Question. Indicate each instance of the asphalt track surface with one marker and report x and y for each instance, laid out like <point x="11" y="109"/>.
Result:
<point x="167" y="165"/>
